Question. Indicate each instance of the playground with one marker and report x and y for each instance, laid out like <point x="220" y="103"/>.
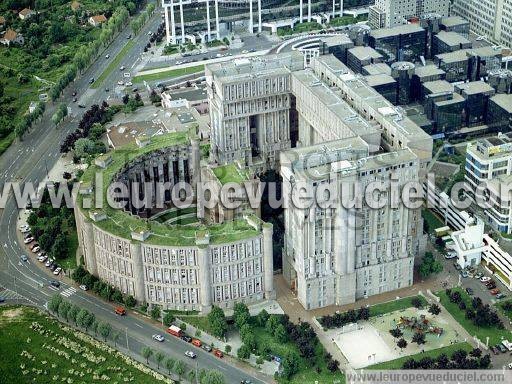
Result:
<point x="371" y="343"/>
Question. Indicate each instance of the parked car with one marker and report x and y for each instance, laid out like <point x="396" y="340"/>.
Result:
<point x="28" y="240"/>
<point x="36" y="249"/>
<point x="206" y="347"/>
<point x="501" y="348"/>
<point x="48" y="263"/>
<point x="190" y="354"/>
<point x="126" y="74"/>
<point x="81" y="106"/>
<point x="2" y="299"/>
<point x="42" y="258"/>
<point x="159" y="338"/>
<point x="495" y="291"/>
<point x="501" y="296"/>
<point x="107" y="56"/>
<point x="57" y="271"/>
<point x="464" y="274"/>
<point x="53" y="266"/>
<point x="24" y="258"/>
<point x="495" y="350"/>
<point x="32" y="246"/>
<point x="449" y="256"/>
<point x="55" y="283"/>
<point x="218" y="353"/>
<point x="120" y="82"/>
<point x="485" y="279"/>
<point x="186" y="338"/>
<point x="120" y="311"/>
<point x="491" y="286"/>
<point x="121" y="68"/>
<point x="469" y="291"/>
<point x="197" y="343"/>
<point x="91" y="80"/>
<point x="83" y="287"/>
<point x="479" y="275"/>
<point x="25" y="230"/>
<point x="489" y="282"/>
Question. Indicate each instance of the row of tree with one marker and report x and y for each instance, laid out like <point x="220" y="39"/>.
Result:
<point x="86" y="54"/>
<point x="137" y="23"/>
<point x="340" y="319"/>
<point x="460" y="359"/>
<point x="481" y="315"/>
<point x="28" y="119"/>
<point x="60" y="114"/>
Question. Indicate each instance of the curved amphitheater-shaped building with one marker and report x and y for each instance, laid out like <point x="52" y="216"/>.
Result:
<point x="167" y="256"/>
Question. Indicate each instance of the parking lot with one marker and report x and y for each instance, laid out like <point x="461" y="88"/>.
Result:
<point x="480" y="290"/>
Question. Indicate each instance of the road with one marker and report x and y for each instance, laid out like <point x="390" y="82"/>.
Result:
<point x="28" y="161"/>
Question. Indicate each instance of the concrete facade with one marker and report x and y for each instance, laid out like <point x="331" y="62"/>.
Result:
<point x="390" y="13"/>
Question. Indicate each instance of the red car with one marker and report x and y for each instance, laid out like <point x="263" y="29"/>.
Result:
<point x="495" y="291"/>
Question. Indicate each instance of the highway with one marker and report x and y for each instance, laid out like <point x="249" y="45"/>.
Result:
<point x="28" y="161"/>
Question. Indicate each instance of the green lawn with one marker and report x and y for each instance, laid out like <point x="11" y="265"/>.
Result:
<point x="70" y="261"/>
<point x="398" y="363"/>
<point x="230" y="174"/>
<point x="501" y="304"/>
<point x="200" y="322"/>
<point x="395" y="305"/>
<point x="6" y="142"/>
<point x="431" y="220"/>
<point x="495" y="335"/>
<point x="38" y="349"/>
<point x="169" y="74"/>
<point x="114" y="64"/>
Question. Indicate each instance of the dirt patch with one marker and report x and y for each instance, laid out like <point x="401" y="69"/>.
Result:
<point x="10" y="314"/>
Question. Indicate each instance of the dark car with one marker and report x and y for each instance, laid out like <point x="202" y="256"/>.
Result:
<point x="491" y="286"/>
<point x="74" y="93"/>
<point x="81" y="106"/>
<point x="186" y="338"/>
<point x="495" y="350"/>
<point x="2" y="299"/>
<point x="502" y="348"/>
<point x="53" y="267"/>
<point x="75" y="99"/>
<point x="91" y="80"/>
<point x="54" y="283"/>
<point x="469" y="291"/>
<point x="206" y="347"/>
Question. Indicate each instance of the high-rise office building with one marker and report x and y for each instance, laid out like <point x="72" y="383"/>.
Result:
<point x="390" y="13"/>
<point x="490" y="18"/>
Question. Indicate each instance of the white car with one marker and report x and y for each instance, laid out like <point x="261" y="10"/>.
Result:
<point x="480" y="38"/>
<point x="120" y="82"/>
<point x="48" y="262"/>
<point x="22" y="226"/>
<point x="121" y="68"/>
<point x="42" y="259"/>
<point x="83" y="287"/>
<point x="107" y="56"/>
<point x="25" y="230"/>
<point x="509" y="365"/>
<point x="449" y="256"/>
<point x="190" y="354"/>
<point x="28" y="240"/>
<point x="485" y="279"/>
<point x="245" y="51"/>
<point x="127" y="74"/>
<point x="36" y="249"/>
<point x="128" y="84"/>
<point x="57" y="271"/>
<point x="159" y="338"/>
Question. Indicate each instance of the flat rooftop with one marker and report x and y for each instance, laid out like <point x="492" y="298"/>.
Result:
<point x="240" y="69"/>
<point x="395" y="31"/>
<point x="504" y="101"/>
<point x="380" y="79"/>
<point x="474" y="87"/>
<point x="428" y="70"/>
<point x="456" y="98"/>
<point x="452" y="38"/>
<point x="364" y="53"/>
<point x="377" y="69"/>
<point x="453" y="21"/>
<point x="191" y="94"/>
<point x="438" y="86"/>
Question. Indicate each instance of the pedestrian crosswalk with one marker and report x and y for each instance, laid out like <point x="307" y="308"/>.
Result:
<point x="7" y="294"/>
<point x="68" y="292"/>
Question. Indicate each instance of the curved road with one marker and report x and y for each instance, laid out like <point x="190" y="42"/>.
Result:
<point x="28" y="161"/>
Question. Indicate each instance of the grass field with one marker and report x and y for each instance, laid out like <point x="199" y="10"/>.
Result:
<point x="397" y="363"/>
<point x="168" y="74"/>
<point x="395" y="305"/>
<point x="114" y="64"/>
<point x="38" y="349"/>
<point x="431" y="220"/>
<point x="495" y="335"/>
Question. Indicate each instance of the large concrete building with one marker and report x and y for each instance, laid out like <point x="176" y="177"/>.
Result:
<point x="145" y="254"/>
<point x="490" y="18"/>
<point x="390" y="13"/>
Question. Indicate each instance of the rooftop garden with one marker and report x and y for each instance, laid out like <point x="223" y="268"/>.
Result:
<point x="122" y="223"/>
<point x="230" y="174"/>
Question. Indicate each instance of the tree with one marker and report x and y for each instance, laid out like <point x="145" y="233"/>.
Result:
<point x="262" y="317"/>
<point x="290" y="365"/>
<point x="332" y="365"/>
<point x="169" y="364"/>
<point x="104" y="330"/>
<point x="155" y="312"/>
<point x="94" y="327"/>
<point x="227" y="349"/>
<point x="115" y="337"/>
<point x="73" y="312"/>
<point x="396" y="333"/>
<point x="244" y="352"/>
<point x="401" y="344"/>
<point x="146" y="353"/>
<point x="54" y="302"/>
<point x="159" y="357"/>
<point x="64" y="307"/>
<point x="241" y="314"/>
<point x="416" y="302"/>
<point x="212" y="377"/>
<point x="84" y="147"/>
<point x="130" y="301"/>
<point x="218" y="323"/>
<point x="179" y="368"/>
<point x="430" y="265"/>
<point x="280" y="334"/>
<point x="418" y="338"/>
<point x="272" y="323"/>
<point x="169" y="319"/>
<point x="434" y="309"/>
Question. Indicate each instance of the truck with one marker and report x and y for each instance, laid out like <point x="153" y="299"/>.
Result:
<point x="507" y="344"/>
<point x="175" y="331"/>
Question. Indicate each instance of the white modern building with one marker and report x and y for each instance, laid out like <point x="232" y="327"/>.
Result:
<point x="390" y="13"/>
<point x="497" y="261"/>
<point x="468" y="243"/>
<point x="490" y="18"/>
